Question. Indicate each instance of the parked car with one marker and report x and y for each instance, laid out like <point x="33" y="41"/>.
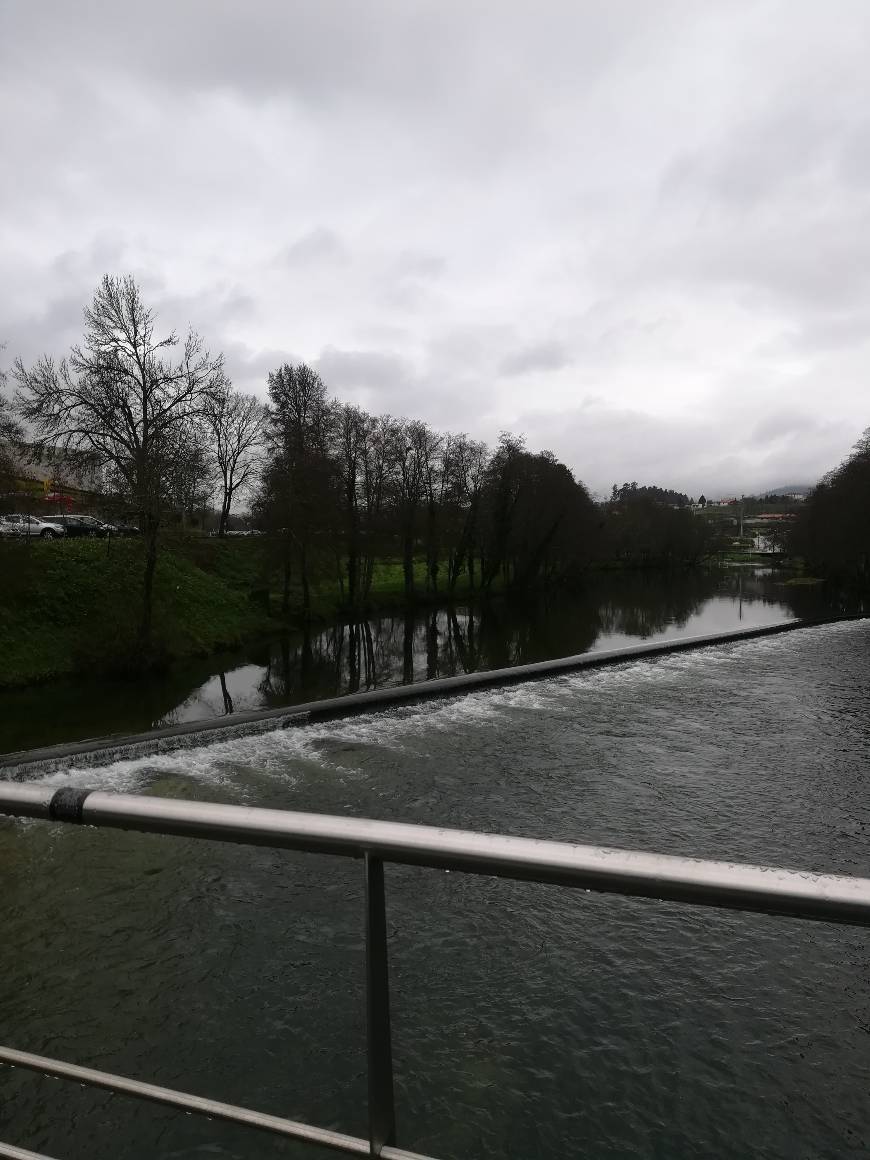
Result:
<point x="29" y="526"/>
<point x="79" y="526"/>
<point x="117" y="529"/>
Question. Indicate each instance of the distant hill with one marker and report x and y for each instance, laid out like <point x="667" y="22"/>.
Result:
<point x="787" y="489"/>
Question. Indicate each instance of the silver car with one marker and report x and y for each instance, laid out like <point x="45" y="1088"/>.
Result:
<point x="29" y="527"/>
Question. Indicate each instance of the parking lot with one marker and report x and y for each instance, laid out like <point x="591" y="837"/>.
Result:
<point x="20" y="525"/>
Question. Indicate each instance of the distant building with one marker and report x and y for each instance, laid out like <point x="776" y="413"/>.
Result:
<point x="52" y="469"/>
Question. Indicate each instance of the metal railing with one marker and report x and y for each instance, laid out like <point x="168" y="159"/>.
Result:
<point x="733" y="886"/>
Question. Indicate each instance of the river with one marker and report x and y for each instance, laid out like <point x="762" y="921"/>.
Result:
<point x="611" y="610"/>
<point x="529" y="1021"/>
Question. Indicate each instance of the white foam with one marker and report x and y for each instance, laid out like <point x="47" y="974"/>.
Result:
<point x="284" y="753"/>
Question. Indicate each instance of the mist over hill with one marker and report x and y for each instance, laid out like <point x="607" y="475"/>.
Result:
<point x="788" y="489"/>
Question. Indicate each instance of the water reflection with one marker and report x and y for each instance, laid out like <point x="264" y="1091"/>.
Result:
<point x="389" y="649"/>
<point x="406" y="648"/>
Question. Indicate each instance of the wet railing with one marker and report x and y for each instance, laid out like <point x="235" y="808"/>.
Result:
<point x="733" y="886"/>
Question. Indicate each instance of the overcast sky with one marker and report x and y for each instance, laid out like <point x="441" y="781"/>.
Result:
<point x="637" y="232"/>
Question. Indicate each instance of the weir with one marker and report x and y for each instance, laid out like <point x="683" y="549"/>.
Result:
<point x="688" y="881"/>
<point x="102" y="750"/>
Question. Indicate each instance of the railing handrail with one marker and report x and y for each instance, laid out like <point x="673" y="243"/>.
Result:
<point x="735" y="886"/>
<point x="184" y="1101"/>
<point x="667" y="877"/>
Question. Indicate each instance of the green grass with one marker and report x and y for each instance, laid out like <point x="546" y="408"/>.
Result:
<point x="75" y="606"/>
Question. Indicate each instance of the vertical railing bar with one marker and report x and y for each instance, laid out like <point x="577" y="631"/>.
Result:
<point x="382" y="1115"/>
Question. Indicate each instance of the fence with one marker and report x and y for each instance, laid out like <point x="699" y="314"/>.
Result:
<point x="733" y="886"/>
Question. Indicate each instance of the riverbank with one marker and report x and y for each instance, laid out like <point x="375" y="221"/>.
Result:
<point x="73" y="607"/>
<point x="401" y="646"/>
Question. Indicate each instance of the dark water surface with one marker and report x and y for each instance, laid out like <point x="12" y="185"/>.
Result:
<point x="529" y="1021"/>
<point x="613" y="610"/>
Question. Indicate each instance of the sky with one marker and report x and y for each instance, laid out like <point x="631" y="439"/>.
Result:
<point x="637" y="233"/>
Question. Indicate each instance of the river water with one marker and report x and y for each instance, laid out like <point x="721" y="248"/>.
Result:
<point x="611" y="610"/>
<point x="529" y="1021"/>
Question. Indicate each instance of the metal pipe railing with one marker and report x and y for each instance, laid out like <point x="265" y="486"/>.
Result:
<point x="184" y="1101"/>
<point x="667" y="877"/>
<point x="10" y="1152"/>
<point x="729" y="885"/>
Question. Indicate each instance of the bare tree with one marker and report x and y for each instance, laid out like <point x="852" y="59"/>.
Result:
<point x="237" y="424"/>
<point x="124" y="395"/>
<point x="10" y="430"/>
<point x="351" y="428"/>
<point x="470" y="459"/>
<point x="436" y="454"/>
<point x="191" y="474"/>
<point x="375" y="475"/>
<point x="298" y="483"/>
<point x="411" y="442"/>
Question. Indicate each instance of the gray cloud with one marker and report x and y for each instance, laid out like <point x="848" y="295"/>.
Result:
<point x="249" y="369"/>
<point x="540" y="356"/>
<point x="641" y="232"/>
<point x="351" y="370"/>
<point x="700" y="461"/>
<point x="419" y="265"/>
<point x="318" y="245"/>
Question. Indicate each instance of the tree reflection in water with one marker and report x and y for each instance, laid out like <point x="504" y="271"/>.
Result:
<point x="613" y="609"/>
<point x="427" y="644"/>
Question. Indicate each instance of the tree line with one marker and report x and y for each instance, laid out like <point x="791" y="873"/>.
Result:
<point x="662" y="495"/>
<point x="343" y="489"/>
<point x="336" y="489"/>
<point x="832" y="531"/>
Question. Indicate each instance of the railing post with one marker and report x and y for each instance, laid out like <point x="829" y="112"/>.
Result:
<point x="382" y="1116"/>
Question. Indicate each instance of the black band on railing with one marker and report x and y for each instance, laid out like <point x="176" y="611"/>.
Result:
<point x="66" y="805"/>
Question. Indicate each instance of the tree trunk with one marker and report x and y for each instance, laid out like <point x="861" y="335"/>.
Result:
<point x="459" y="642"/>
<point x="353" y="657"/>
<point x="408" y="650"/>
<point x="151" y="526"/>
<point x="285" y="596"/>
<point x="408" y="564"/>
<point x="306" y="588"/>
<point x="369" y="653"/>
<point x="431" y="551"/>
<point x="353" y="564"/>
<point x="432" y="648"/>
<point x="352" y="578"/>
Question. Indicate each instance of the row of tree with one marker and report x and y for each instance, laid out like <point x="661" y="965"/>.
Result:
<point x="342" y="489"/>
<point x="832" y="531"/>
<point x="337" y="489"/>
<point x="662" y="495"/>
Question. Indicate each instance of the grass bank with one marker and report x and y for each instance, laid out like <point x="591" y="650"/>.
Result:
<point x="68" y="607"/>
<point x="74" y="606"/>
